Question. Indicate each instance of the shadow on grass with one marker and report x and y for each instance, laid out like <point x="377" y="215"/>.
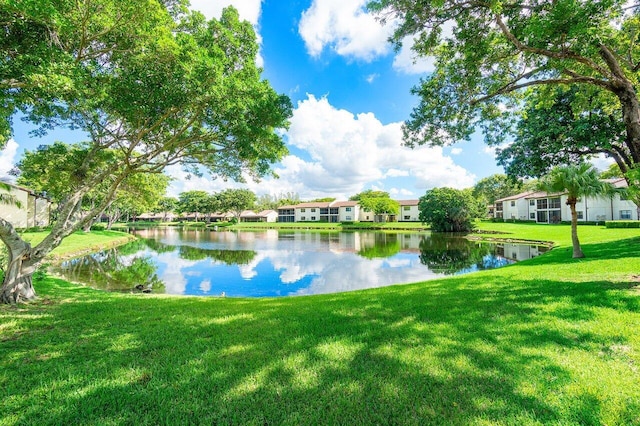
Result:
<point x="447" y="352"/>
<point x="619" y="249"/>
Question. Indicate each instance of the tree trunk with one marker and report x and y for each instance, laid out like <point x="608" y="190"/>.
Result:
<point x="17" y="285"/>
<point x="577" y="250"/>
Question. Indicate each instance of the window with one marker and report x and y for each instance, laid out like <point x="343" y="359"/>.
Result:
<point x="303" y="210"/>
<point x="348" y="218"/>
<point x="313" y="218"/>
<point x="532" y="202"/>
<point x="532" y="216"/>
<point x="313" y="210"/>
<point x="625" y="214"/>
<point x="406" y="208"/>
<point x="580" y="215"/>
<point x="348" y="209"/>
<point x="542" y="216"/>
<point x="513" y="204"/>
<point x="498" y="206"/>
<point x="407" y="218"/>
<point x="303" y="218"/>
<point x="542" y="204"/>
<point x="554" y="203"/>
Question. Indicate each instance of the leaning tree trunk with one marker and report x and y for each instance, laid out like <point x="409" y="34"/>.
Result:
<point x="577" y="250"/>
<point x="17" y="285"/>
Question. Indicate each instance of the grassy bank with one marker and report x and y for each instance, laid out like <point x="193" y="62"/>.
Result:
<point x="81" y="243"/>
<point x="548" y="341"/>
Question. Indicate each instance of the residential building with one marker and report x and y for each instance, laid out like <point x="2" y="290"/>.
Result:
<point x="409" y="211"/>
<point x="333" y="212"/>
<point x="513" y="207"/>
<point x="542" y="207"/>
<point x="30" y="210"/>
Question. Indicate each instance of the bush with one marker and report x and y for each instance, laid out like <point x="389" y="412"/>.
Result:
<point x="622" y="224"/>
<point x="448" y="210"/>
<point x="98" y="227"/>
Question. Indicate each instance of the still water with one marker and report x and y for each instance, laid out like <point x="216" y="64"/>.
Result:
<point x="282" y="263"/>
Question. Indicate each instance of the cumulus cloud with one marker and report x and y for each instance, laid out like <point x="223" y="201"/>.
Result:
<point x="348" y="152"/>
<point x="7" y="159"/>
<point x="407" y="62"/>
<point x="249" y="10"/>
<point x="338" y="154"/>
<point x="345" y="27"/>
<point x="456" y="151"/>
<point x="602" y="162"/>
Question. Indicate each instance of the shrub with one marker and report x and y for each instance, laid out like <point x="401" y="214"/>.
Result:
<point x="448" y="210"/>
<point x="622" y="224"/>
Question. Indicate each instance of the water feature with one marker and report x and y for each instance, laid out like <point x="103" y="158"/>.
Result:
<point x="282" y="263"/>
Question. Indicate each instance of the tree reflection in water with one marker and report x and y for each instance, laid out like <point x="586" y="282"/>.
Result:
<point x="272" y="263"/>
<point x="451" y="254"/>
<point x="118" y="269"/>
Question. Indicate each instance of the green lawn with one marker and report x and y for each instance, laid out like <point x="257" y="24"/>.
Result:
<point x="550" y="340"/>
<point x="81" y="243"/>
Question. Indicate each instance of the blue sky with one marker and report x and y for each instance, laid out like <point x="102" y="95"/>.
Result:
<point x="350" y="92"/>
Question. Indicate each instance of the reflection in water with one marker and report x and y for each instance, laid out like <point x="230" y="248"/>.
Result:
<point x="273" y="263"/>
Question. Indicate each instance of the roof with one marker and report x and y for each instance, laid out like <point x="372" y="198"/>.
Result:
<point x="344" y="204"/>
<point x="264" y="213"/>
<point x="617" y="182"/>
<point x="517" y="196"/>
<point x="408" y="202"/>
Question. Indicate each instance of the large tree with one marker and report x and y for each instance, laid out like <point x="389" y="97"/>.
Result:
<point x="494" y="187"/>
<point x="576" y="181"/>
<point x="236" y="201"/>
<point x="378" y="202"/>
<point x="488" y="53"/>
<point x="555" y="129"/>
<point x="150" y="86"/>
<point x="196" y="201"/>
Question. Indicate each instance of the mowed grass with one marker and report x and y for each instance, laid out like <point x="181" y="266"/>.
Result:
<point x="550" y="340"/>
<point x="80" y="243"/>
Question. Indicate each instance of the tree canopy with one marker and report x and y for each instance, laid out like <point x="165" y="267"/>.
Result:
<point x="151" y="85"/>
<point x="491" y="55"/>
<point x="378" y="202"/>
<point x="494" y="187"/>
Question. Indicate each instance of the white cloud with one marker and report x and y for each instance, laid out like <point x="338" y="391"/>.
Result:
<point x="371" y="78"/>
<point x="456" y="151"/>
<point x="344" y="27"/>
<point x="348" y="152"/>
<point x="7" y="159"/>
<point x="249" y="10"/>
<point x="407" y="62"/>
<point x="602" y="162"/>
<point x="339" y="154"/>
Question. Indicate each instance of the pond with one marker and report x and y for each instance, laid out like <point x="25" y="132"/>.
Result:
<point x="282" y="263"/>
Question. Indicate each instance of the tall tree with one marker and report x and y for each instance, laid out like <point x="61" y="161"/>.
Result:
<point x="494" y="187"/>
<point x="378" y="202"/>
<point x="495" y="50"/>
<point x="194" y="202"/>
<point x="576" y="181"/>
<point x="236" y="201"/>
<point x="560" y="126"/>
<point x="150" y="86"/>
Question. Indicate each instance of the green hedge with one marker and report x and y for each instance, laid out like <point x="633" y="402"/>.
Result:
<point x="622" y="224"/>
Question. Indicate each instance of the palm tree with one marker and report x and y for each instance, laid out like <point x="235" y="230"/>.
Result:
<point x="576" y="181"/>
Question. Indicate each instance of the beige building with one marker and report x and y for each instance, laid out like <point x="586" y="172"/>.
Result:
<point x="28" y="210"/>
